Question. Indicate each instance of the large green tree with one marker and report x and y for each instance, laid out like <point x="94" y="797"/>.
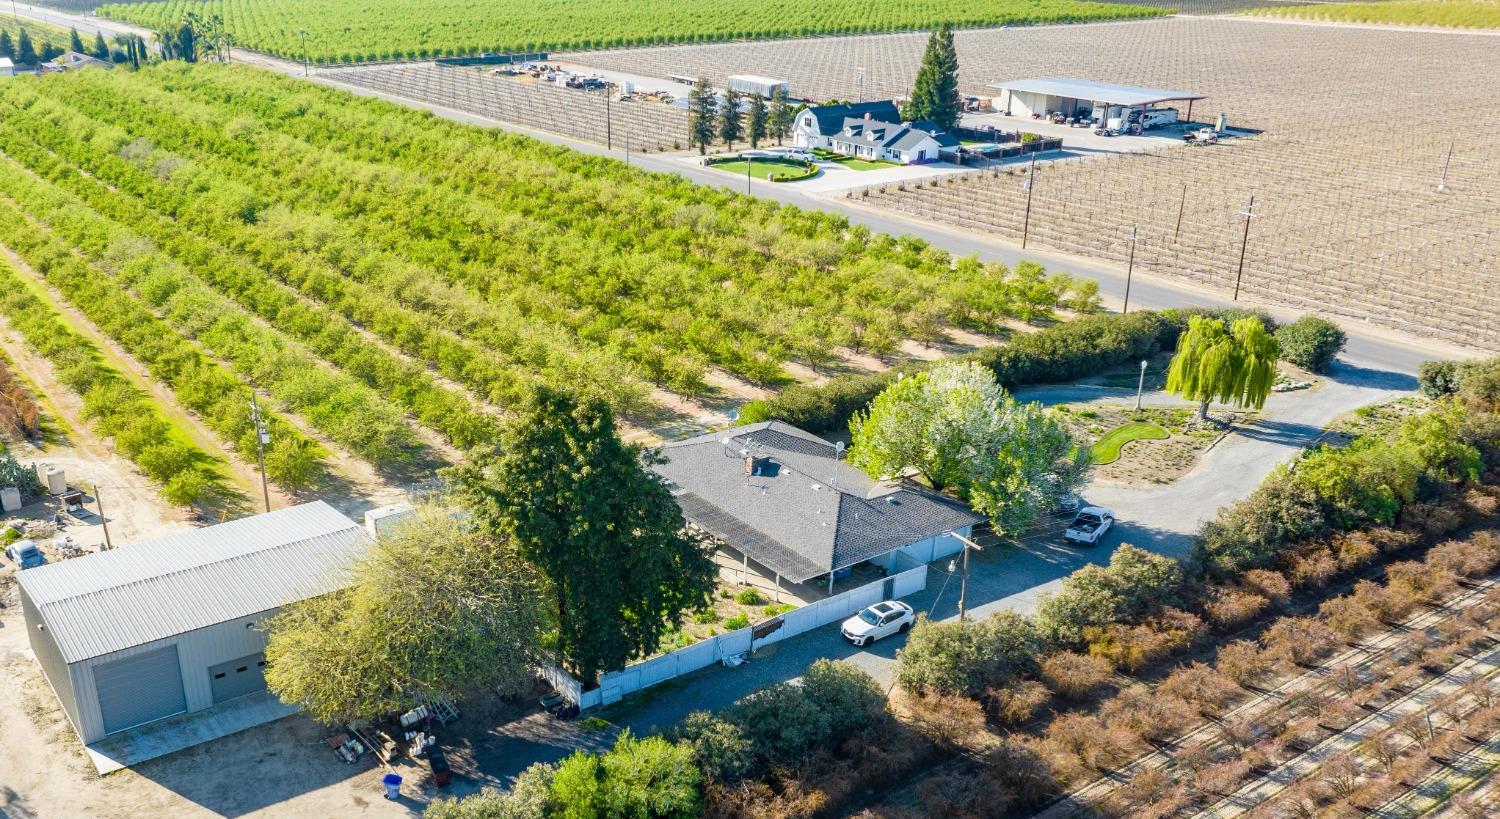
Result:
<point x="962" y="432"/>
<point x="934" y="94"/>
<point x="731" y="121"/>
<point x="604" y="530"/>
<point x="756" y="120"/>
<point x="25" y="50"/>
<point x="75" y="43"/>
<point x="7" y="46"/>
<point x="1237" y="365"/>
<point x="782" y="113"/>
<point x="439" y="608"/>
<point x="702" y="116"/>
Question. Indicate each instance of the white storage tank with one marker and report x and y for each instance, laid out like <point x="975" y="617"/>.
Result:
<point x="54" y="479"/>
<point x="380" y="519"/>
<point x="10" y="499"/>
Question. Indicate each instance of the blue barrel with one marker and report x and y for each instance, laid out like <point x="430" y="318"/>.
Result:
<point x="392" y="785"/>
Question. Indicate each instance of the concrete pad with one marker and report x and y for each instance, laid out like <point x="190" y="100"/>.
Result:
<point x="155" y="739"/>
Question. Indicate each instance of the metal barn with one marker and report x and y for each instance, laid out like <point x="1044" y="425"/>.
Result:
<point x="165" y="627"/>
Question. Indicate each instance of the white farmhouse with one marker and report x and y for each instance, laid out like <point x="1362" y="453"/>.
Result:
<point x="872" y="130"/>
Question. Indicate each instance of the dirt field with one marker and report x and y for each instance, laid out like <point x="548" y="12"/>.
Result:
<point x="1357" y="125"/>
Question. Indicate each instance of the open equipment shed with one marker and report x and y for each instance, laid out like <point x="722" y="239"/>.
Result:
<point x="1046" y="95"/>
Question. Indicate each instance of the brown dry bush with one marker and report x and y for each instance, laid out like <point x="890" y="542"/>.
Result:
<point x="1430" y="520"/>
<point x="1020" y="764"/>
<point x="1133" y="647"/>
<point x="1244" y="662"/>
<point x="953" y="721"/>
<point x="1018" y="703"/>
<point x="1349" y="617"/>
<point x="1313" y="569"/>
<point x="1204" y="687"/>
<point x="964" y="796"/>
<point x="1388" y="605"/>
<point x="1355" y="550"/>
<point x="1241" y="732"/>
<point x="1300" y="640"/>
<point x="1222" y="779"/>
<point x="1075" y="676"/>
<point x="1383" y="749"/>
<point x="1148" y="714"/>
<point x="1268" y="584"/>
<point x="1475" y="557"/>
<point x="1228" y="608"/>
<point x="1081" y="744"/>
<point x="1421" y="582"/>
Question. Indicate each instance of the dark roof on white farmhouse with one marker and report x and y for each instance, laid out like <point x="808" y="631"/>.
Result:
<point x="804" y="512"/>
<point x="135" y="594"/>
<point x="831" y="117"/>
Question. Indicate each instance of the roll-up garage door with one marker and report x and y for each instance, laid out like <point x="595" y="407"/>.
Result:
<point x="139" y="689"/>
<point x="238" y="678"/>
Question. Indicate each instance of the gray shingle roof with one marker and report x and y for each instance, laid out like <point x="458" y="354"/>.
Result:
<point x="809" y="512"/>
<point x="147" y="591"/>
<point x="831" y="117"/>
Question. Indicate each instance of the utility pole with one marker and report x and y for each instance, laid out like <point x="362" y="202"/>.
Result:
<point x="609" y="130"/>
<point x="1130" y="271"/>
<point x="1443" y="183"/>
<point x="861" y="81"/>
<point x="1181" y="203"/>
<point x="1030" y="186"/>
<point x="1248" y="213"/>
<point x="306" y="61"/>
<point x="99" y="502"/>
<point x="262" y="437"/>
<point x="963" y="586"/>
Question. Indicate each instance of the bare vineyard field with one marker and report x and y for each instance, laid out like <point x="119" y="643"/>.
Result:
<point x="1356" y="127"/>
<point x="640" y="126"/>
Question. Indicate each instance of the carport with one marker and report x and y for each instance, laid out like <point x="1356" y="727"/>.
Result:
<point x="1045" y="95"/>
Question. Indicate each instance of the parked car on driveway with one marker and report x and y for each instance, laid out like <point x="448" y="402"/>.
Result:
<point x="800" y="155"/>
<point x="1090" y="525"/>
<point x="879" y="620"/>
<point x="26" y="554"/>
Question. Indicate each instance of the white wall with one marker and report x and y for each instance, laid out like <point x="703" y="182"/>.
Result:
<point x="196" y="651"/>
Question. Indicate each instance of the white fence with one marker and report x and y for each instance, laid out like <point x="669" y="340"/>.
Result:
<point x="617" y="684"/>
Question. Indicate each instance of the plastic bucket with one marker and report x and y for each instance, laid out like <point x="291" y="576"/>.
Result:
<point x="392" y="785"/>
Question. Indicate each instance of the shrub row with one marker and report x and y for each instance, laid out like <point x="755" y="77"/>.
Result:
<point x="220" y="400"/>
<point x="112" y="406"/>
<point x="1064" y="352"/>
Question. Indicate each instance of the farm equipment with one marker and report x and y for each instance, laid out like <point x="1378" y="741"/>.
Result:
<point x="1202" y="136"/>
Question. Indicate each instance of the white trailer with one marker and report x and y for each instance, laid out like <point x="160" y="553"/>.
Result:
<point x="753" y="84"/>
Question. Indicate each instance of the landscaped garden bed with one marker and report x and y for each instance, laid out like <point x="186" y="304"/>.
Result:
<point x="1156" y="445"/>
<point x="772" y="169"/>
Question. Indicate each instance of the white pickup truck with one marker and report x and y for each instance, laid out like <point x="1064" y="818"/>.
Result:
<point x="1090" y="525"/>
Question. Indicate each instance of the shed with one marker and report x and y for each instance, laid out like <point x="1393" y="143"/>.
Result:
<point x="164" y="627"/>
<point x="1045" y="95"/>
<point x="785" y="499"/>
<point x="7" y="67"/>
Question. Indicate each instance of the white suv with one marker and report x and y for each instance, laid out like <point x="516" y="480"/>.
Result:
<point x="879" y="620"/>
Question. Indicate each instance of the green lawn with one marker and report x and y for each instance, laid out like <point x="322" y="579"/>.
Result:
<point x="855" y="164"/>
<point x="1107" y="450"/>
<point x="764" y="168"/>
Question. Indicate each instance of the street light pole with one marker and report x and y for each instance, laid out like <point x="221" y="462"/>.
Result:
<point x="1140" y="386"/>
<point x="1248" y="213"/>
<point x="1030" y="187"/>
<point x="1129" y="270"/>
<point x="261" y="439"/>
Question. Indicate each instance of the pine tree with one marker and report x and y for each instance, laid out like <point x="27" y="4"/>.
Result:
<point x="101" y="48"/>
<point x="701" y="124"/>
<point x="755" y="127"/>
<point x="576" y="503"/>
<point x="25" y="51"/>
<point x="75" y="43"/>
<point x="934" y="94"/>
<point x="731" y="126"/>
<point x="781" y="114"/>
<point x="7" y="46"/>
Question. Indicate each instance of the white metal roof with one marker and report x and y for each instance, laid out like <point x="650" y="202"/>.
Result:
<point x="1096" y="91"/>
<point x="757" y="78"/>
<point x="135" y="594"/>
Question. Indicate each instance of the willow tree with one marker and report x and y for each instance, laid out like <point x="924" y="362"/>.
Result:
<point x="1234" y="366"/>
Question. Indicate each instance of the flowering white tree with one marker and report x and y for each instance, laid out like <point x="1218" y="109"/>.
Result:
<point x="960" y="431"/>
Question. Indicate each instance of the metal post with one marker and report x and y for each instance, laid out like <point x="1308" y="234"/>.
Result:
<point x="99" y="502"/>
<point x="306" y="62"/>
<point x="749" y="161"/>
<point x="778" y="587"/>
<point x="261" y="438"/>
<point x="1129" y="271"/>
<point x="1181" y="203"/>
<point x="1443" y="183"/>
<point x="1244" y="241"/>
<point x="830" y="584"/>
<point x="745" y="572"/>
<point x="609" y="129"/>
<point x="1030" y="187"/>
<point x="1140" y="386"/>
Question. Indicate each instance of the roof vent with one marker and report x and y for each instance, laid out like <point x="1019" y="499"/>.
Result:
<point x="816" y="487"/>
